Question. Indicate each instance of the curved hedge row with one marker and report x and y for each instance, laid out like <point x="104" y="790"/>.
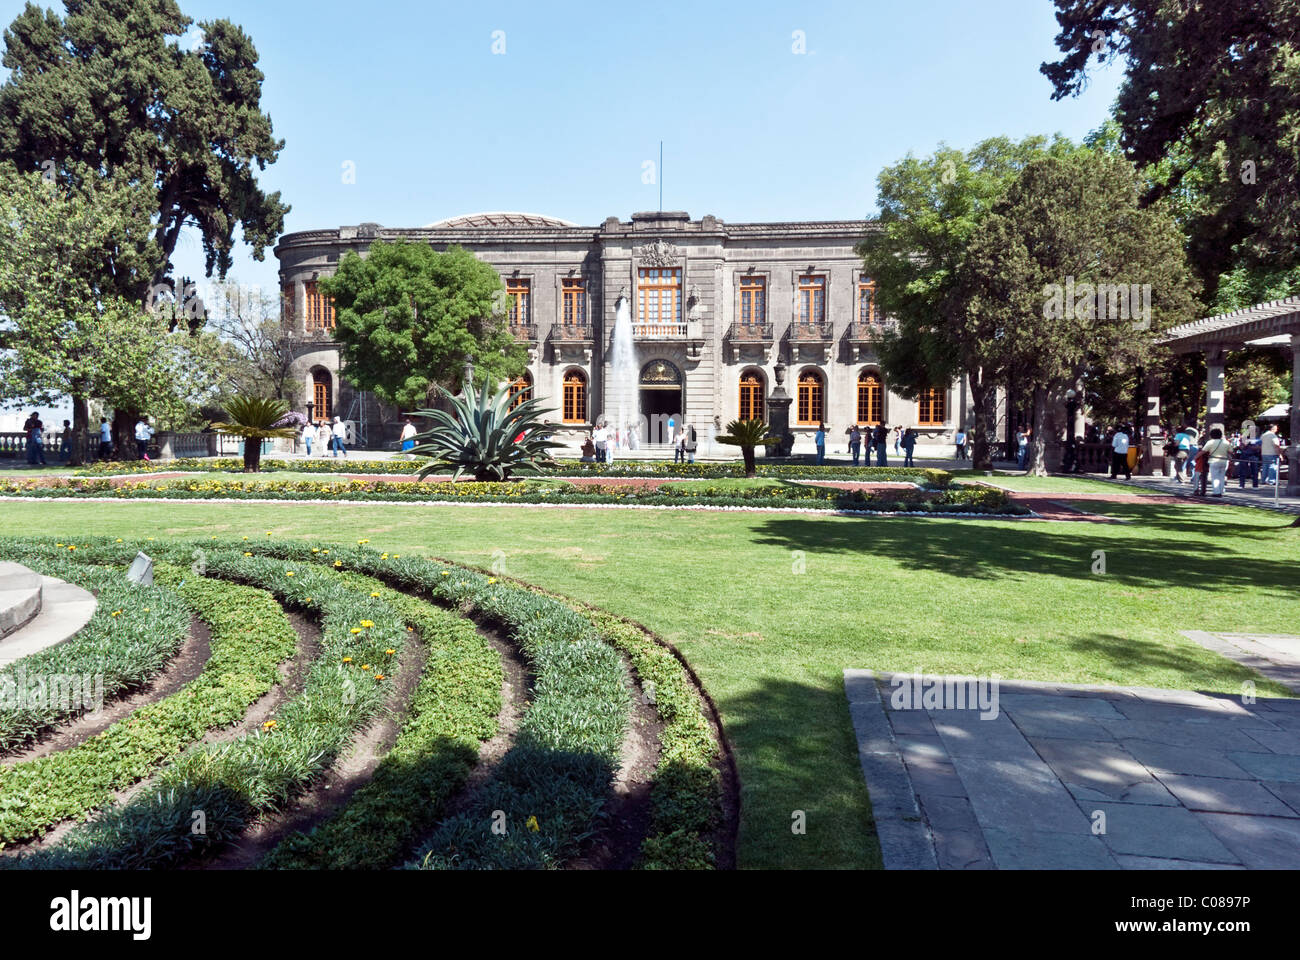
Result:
<point x="232" y="782"/>
<point x="686" y="792"/>
<point x="454" y="707"/>
<point x="131" y="636"/>
<point x="250" y="636"/>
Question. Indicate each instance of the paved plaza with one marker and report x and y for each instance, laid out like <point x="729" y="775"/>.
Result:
<point x="1065" y="776"/>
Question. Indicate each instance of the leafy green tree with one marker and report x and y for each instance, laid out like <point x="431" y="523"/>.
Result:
<point x="106" y="92"/>
<point x="60" y="333"/>
<point x="408" y="319"/>
<point x="1211" y="102"/>
<point x="929" y="210"/>
<point x="748" y="435"/>
<point x="256" y="419"/>
<point x="1053" y="267"/>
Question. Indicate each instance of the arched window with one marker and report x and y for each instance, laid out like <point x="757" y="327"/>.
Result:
<point x="812" y="399"/>
<point x="322" y="394"/>
<point x="751" y="396"/>
<point x="575" y="397"/>
<point x="521" y="389"/>
<point x="932" y="407"/>
<point x="871" y="399"/>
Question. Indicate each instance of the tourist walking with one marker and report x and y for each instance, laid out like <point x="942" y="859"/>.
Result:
<point x="909" y="446"/>
<point x="65" y="442"/>
<point x="36" y="441"/>
<point x="672" y="429"/>
<point x="323" y="436"/>
<point x="338" y="434"/>
<point x="960" y="440"/>
<point x="1248" y="464"/>
<point x="898" y="441"/>
<point x="408" y="436"/>
<point x="105" y="439"/>
<point x="1119" y="454"/>
<point x="1217" y="452"/>
<point x="679" y="445"/>
<point x="600" y="437"/>
<point x="881" y="436"/>
<point x="819" y="440"/>
<point x="308" y="435"/>
<point x="855" y="443"/>
<point x="143" y="434"/>
<point x="1270" y="450"/>
<point x="1183" y="441"/>
<point x="689" y="442"/>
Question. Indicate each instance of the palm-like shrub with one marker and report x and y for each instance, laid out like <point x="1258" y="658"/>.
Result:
<point x="748" y="434"/>
<point x="256" y="419"/>
<point x="479" y="434"/>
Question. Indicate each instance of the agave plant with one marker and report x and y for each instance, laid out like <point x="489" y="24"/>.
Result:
<point x="483" y="435"/>
<point x="748" y="434"/>
<point x="256" y="419"/>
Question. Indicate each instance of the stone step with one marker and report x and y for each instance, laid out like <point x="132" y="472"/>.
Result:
<point x="20" y="596"/>
<point x="64" y="609"/>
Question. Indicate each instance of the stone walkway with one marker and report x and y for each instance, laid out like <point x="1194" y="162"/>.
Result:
<point x="1065" y="776"/>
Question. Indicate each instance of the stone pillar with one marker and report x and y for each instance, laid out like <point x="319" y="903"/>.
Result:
<point x="1153" y="456"/>
<point x="1213" y="390"/>
<point x="1293" y="452"/>
<point x="778" y="414"/>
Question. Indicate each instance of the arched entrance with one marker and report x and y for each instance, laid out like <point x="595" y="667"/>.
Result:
<point x="663" y="395"/>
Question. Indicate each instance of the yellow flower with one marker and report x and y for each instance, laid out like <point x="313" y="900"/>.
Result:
<point x="365" y="666"/>
<point x="396" y="555"/>
<point x="146" y="609"/>
<point x="374" y="593"/>
<point x="59" y="544"/>
<point x="390" y="651"/>
<point x="324" y="551"/>
<point x="367" y="623"/>
<point x="492" y="579"/>
<point x="117" y="613"/>
<point x="446" y="573"/>
<point x="247" y="554"/>
<point x="288" y="573"/>
<point x="355" y="630"/>
<point x="315" y="549"/>
<point x="246" y="538"/>
<point x="363" y="541"/>
<point x="119" y="539"/>
<point x="379" y="676"/>
<point x="338" y="563"/>
<point x="307" y="600"/>
<point x="268" y="533"/>
<point x="270" y="724"/>
<point x="347" y="659"/>
<point x="531" y="824"/>
<point x="383" y="556"/>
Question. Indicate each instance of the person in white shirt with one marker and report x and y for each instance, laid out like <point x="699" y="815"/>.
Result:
<point x="600" y="437"/>
<point x="143" y="434"/>
<point x="339" y="431"/>
<point x="1270" y="449"/>
<point x="1119" y="455"/>
<point x="323" y="436"/>
<point x="1217" y="454"/>
<point x="308" y="435"/>
<point x="408" y="436"/>
<point x="105" y="439"/>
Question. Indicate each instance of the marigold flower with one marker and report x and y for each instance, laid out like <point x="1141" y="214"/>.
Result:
<point x="492" y="579"/>
<point x="446" y="573"/>
<point x="355" y="630"/>
<point x="338" y="563"/>
<point x="365" y="666"/>
<point x="374" y="593"/>
<point x="367" y="623"/>
<point x="117" y="613"/>
<point x="347" y="659"/>
<point x="379" y="676"/>
<point x="288" y="573"/>
<point x="119" y="539"/>
<point x="390" y="651"/>
<point x="363" y="541"/>
<point x="270" y="724"/>
<point x="247" y="554"/>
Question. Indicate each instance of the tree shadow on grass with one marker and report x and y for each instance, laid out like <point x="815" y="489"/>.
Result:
<point x="1146" y="554"/>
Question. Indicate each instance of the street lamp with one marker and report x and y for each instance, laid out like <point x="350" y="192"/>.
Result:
<point x="310" y="404"/>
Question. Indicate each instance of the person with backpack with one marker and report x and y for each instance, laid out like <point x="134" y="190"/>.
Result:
<point x="1184" y="440"/>
<point x="881" y="436"/>
<point x="105" y="439"/>
<point x="689" y="442"/>
<point x="855" y="443"/>
<point x="909" y="446"/>
<point x="36" y="442"/>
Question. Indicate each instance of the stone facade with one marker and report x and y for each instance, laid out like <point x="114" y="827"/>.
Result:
<point x="702" y="336"/>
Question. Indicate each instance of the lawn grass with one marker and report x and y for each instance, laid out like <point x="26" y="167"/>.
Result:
<point x="963" y="596"/>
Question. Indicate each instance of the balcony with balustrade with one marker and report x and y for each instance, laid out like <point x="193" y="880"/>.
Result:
<point x="863" y="336"/>
<point x="811" y="340"/>
<point x="755" y="338"/>
<point x="573" y="341"/>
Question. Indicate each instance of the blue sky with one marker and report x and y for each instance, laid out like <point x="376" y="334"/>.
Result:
<point x="564" y="120"/>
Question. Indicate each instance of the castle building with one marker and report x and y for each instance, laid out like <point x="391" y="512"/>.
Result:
<point x="714" y="308"/>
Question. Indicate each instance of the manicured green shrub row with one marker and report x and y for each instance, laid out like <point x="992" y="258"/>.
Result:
<point x="132" y="634"/>
<point x="686" y="793"/>
<point x="551" y="787"/>
<point x="657" y="468"/>
<point x="454" y="707"/>
<point x="982" y="500"/>
<point x="250" y="636"/>
<point x="233" y="782"/>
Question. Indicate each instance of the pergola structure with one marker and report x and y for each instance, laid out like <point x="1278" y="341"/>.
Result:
<point x="1274" y="324"/>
